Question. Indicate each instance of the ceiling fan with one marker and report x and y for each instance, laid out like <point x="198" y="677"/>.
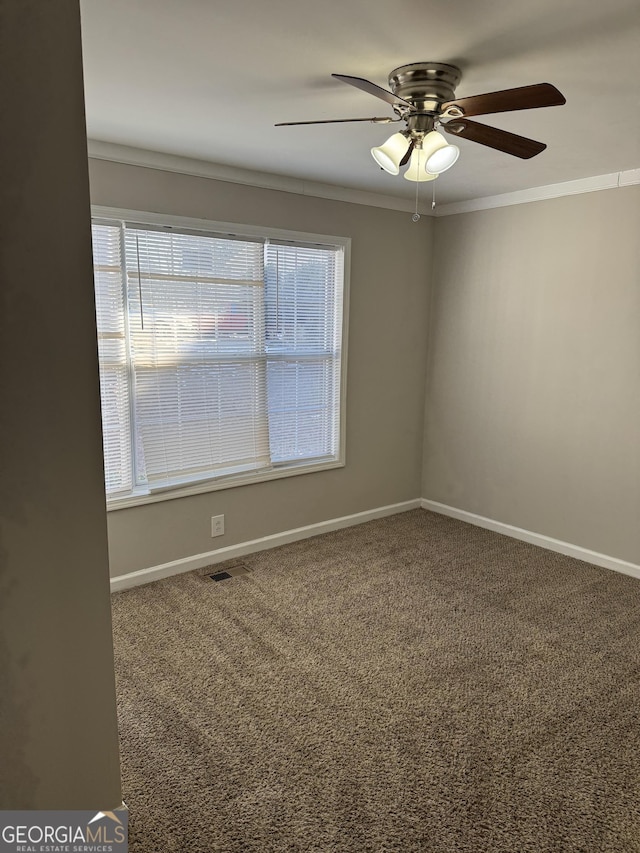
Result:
<point x="423" y="97"/>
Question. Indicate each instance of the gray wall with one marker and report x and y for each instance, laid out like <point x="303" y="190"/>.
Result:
<point x="533" y="394"/>
<point x="58" y="733"/>
<point x="391" y="258"/>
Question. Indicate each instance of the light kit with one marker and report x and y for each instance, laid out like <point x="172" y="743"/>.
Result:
<point x="428" y="154"/>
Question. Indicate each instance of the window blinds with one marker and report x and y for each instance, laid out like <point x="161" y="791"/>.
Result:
<point x="303" y="324"/>
<point x="197" y="351"/>
<point x="218" y="355"/>
<point x="112" y="357"/>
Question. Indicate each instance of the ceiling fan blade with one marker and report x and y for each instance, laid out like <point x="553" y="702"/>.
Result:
<point x="372" y="89"/>
<point x="501" y="140"/>
<point x="374" y="119"/>
<point x="406" y="157"/>
<point x="522" y="98"/>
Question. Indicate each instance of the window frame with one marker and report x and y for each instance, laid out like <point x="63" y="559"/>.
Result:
<point x="139" y="496"/>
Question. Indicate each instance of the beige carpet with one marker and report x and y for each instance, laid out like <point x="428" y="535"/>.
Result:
<point x="411" y="684"/>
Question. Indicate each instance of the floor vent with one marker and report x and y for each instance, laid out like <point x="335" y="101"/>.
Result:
<point x="220" y="576"/>
<point x="233" y="571"/>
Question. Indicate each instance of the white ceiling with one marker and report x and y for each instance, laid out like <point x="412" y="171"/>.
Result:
<point x="209" y="79"/>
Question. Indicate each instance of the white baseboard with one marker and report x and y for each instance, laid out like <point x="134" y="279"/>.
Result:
<point x="199" y="561"/>
<point x="547" y="542"/>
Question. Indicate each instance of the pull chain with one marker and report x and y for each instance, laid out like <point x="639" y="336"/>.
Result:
<point x="416" y="215"/>
<point x="433" y="198"/>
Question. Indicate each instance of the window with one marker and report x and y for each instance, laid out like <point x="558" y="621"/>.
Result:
<point x="221" y="355"/>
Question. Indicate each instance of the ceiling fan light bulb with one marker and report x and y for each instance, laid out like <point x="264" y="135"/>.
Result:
<point x="442" y="159"/>
<point x="416" y="172"/>
<point x="438" y="154"/>
<point x="389" y="155"/>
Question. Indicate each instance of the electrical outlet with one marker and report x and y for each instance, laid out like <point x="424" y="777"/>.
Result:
<point x="217" y="525"/>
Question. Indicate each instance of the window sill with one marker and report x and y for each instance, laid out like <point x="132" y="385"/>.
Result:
<point x="116" y="503"/>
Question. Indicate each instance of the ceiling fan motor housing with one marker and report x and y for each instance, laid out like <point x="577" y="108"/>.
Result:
<point x="427" y="85"/>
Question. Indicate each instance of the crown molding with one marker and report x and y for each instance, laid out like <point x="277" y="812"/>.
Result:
<point x="583" y="185"/>
<point x="128" y="155"/>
